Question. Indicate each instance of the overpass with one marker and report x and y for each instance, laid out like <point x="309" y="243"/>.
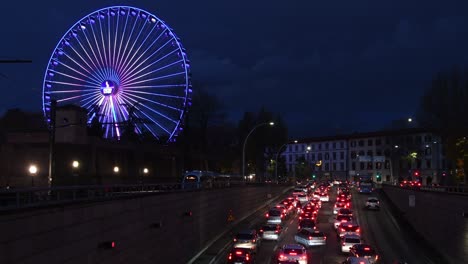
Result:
<point x="128" y="224"/>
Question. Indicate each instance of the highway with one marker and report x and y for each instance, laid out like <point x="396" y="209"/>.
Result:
<point x="379" y="229"/>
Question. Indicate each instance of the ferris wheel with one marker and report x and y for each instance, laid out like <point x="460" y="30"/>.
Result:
<point x="124" y="66"/>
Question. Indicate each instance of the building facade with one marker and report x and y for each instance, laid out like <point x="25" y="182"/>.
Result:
<point x="383" y="156"/>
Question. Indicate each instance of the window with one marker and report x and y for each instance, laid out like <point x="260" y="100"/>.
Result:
<point x="361" y="153"/>
<point x="378" y="165"/>
<point x="334" y="166"/>
<point x="319" y="156"/>
<point x="369" y="165"/>
<point x="327" y="156"/>
<point x="342" y="166"/>
<point x="362" y="165"/>
<point x="418" y="163"/>
<point x="370" y="153"/>
<point x="353" y="143"/>
<point x="312" y="146"/>
<point x="370" y="142"/>
<point x="296" y="147"/>
<point x="320" y="146"/>
<point x="342" y="155"/>
<point x="290" y="158"/>
<point x="428" y="163"/>
<point x="353" y="154"/>
<point x="353" y="165"/>
<point x="418" y="139"/>
<point x="387" y="164"/>
<point x="387" y="153"/>
<point x="387" y="141"/>
<point x="334" y="155"/>
<point x="327" y="166"/>
<point x="313" y="157"/>
<point x="378" y="142"/>
<point x="303" y="147"/>
<point x="290" y="148"/>
<point x="334" y="145"/>
<point x="326" y="145"/>
<point x="409" y="139"/>
<point x="378" y="152"/>
<point x="341" y="144"/>
<point x="361" y="143"/>
<point x="427" y="151"/>
<point x="427" y="138"/>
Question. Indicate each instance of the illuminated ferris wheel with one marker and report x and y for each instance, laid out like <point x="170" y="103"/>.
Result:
<point x="123" y="65"/>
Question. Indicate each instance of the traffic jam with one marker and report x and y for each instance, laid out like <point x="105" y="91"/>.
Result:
<point x="297" y="229"/>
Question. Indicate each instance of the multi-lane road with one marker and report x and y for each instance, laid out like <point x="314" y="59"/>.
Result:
<point x="379" y="228"/>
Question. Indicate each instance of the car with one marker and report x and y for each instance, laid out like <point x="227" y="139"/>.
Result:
<point x="303" y="188"/>
<point x="355" y="260"/>
<point x="324" y="197"/>
<point x="291" y="253"/>
<point x="316" y="201"/>
<point x="283" y="209"/>
<point x="297" y="191"/>
<point x="307" y="215"/>
<point x="309" y="237"/>
<point x="348" y="241"/>
<point x="247" y="239"/>
<point x="303" y="198"/>
<point x="373" y="203"/>
<point x="365" y="251"/>
<point x="345" y="211"/>
<point x="338" y="206"/>
<point x="274" y="216"/>
<point x="306" y="224"/>
<point x="341" y="219"/>
<point x="349" y="228"/>
<point x="271" y="232"/>
<point x="241" y="256"/>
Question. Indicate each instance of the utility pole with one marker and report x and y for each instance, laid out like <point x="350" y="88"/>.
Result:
<point x="53" y="110"/>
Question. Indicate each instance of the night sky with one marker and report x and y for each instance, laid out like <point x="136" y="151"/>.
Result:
<point x="326" y="66"/>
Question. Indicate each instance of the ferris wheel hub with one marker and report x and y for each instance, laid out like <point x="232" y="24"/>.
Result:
<point x="108" y="87"/>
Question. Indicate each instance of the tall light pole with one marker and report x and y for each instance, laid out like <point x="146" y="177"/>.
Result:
<point x="245" y="143"/>
<point x="277" y="157"/>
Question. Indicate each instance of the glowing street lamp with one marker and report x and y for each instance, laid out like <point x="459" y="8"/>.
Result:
<point x="32" y="171"/>
<point x="245" y="143"/>
<point x="145" y="171"/>
<point x="116" y="169"/>
<point x="410" y="120"/>
<point x="75" y="164"/>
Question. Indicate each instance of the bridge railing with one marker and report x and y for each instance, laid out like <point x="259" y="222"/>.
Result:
<point x="454" y="189"/>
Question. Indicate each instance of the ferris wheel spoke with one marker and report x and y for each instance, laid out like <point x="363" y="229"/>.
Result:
<point x="127" y="50"/>
<point x="157" y="103"/>
<point x="106" y="59"/>
<point x="73" y="84"/>
<point x="126" y="60"/>
<point x="72" y="91"/>
<point x="119" y="54"/>
<point x="130" y="61"/>
<point x="81" y="66"/>
<point x="127" y="88"/>
<point x="132" y="78"/>
<point x="100" y="60"/>
<point x="79" y="72"/>
<point x="95" y="69"/>
<point x="97" y="66"/>
<point x="127" y="101"/>
<point x="75" y="97"/>
<point x="130" y="66"/>
<point x="145" y="60"/>
<point x="114" y="58"/>
<point x="75" y="78"/>
<point x="155" y="94"/>
<point x="90" y="102"/>
<point x="157" y="78"/>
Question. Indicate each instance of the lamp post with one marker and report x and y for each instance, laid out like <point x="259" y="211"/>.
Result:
<point x="245" y="143"/>
<point x="33" y="171"/>
<point x="277" y="157"/>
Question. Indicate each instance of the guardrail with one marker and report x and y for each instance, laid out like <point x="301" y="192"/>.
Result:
<point x="460" y="189"/>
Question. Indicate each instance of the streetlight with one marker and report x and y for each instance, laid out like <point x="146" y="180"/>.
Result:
<point x="410" y="120"/>
<point x="116" y="169"/>
<point x="245" y="143"/>
<point x="75" y="164"/>
<point x="145" y="170"/>
<point x="277" y="157"/>
<point x="33" y="171"/>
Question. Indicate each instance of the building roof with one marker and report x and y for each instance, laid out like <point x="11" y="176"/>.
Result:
<point x="356" y="135"/>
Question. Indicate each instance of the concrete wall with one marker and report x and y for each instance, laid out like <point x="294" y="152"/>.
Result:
<point x="71" y="234"/>
<point x="438" y="217"/>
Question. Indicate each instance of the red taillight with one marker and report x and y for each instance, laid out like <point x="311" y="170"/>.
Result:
<point x="277" y="231"/>
<point x="376" y="257"/>
<point x="300" y="217"/>
<point x="293" y="253"/>
<point x="253" y="240"/>
<point x="310" y="238"/>
<point x="281" y="257"/>
<point x="235" y="240"/>
<point x="342" y="230"/>
<point x="367" y="248"/>
<point x="247" y="257"/>
<point x="358" y="230"/>
<point x="113" y="244"/>
<point x="343" y="244"/>
<point x="230" y="256"/>
<point x="261" y="231"/>
<point x="267" y="215"/>
<point x="238" y="252"/>
<point x="304" y="257"/>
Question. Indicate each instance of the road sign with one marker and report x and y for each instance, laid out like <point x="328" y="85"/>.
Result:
<point x="412" y="201"/>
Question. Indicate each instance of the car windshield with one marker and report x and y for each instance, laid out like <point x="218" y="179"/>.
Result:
<point x="349" y="228"/>
<point x="293" y="250"/>
<point x="343" y="217"/>
<point x="352" y="240"/>
<point x="373" y="200"/>
<point x="274" y="213"/>
<point x="269" y="228"/>
<point x="317" y="234"/>
<point x="244" y="237"/>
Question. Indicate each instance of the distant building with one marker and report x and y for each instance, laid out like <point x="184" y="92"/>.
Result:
<point x="384" y="156"/>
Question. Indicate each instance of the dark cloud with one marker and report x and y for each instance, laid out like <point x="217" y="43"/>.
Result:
<point x="322" y="64"/>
